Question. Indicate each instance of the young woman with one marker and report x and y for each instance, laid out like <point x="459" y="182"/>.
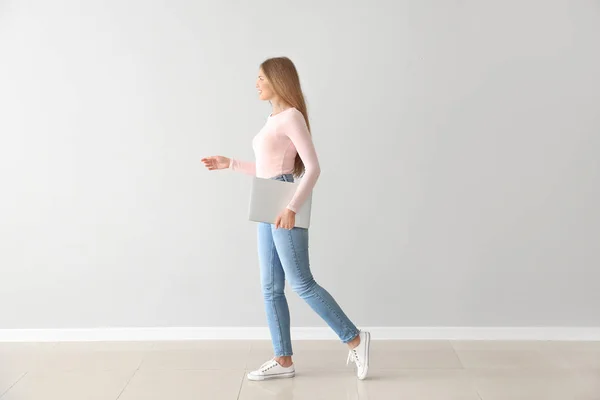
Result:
<point x="283" y="150"/>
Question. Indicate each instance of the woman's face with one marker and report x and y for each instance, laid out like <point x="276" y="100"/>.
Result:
<point x="265" y="90"/>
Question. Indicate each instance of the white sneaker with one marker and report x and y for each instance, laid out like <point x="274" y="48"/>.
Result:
<point x="272" y="370"/>
<point x="360" y="355"/>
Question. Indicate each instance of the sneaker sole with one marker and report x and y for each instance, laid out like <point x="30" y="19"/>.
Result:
<point x="366" y="370"/>
<point x="274" y="376"/>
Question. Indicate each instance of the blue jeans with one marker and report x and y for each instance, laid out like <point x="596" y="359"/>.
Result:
<point x="283" y="254"/>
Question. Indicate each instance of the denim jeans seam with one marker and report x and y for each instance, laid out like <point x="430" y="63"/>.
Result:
<point x="297" y="264"/>
<point x="355" y="333"/>
<point x="340" y="319"/>
<point x="273" y="295"/>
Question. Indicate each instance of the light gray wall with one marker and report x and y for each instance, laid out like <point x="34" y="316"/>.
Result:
<point x="459" y="144"/>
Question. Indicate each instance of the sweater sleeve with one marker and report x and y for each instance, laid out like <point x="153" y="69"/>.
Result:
<point x="298" y="133"/>
<point x="245" y="167"/>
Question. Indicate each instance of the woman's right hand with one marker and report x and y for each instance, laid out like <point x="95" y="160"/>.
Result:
<point x="216" y="162"/>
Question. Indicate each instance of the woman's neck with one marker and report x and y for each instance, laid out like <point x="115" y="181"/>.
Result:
<point x="279" y="106"/>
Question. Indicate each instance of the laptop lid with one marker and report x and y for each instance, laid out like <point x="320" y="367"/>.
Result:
<point x="269" y="197"/>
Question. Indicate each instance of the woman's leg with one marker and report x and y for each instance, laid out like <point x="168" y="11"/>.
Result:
<point x="292" y="248"/>
<point x="273" y="284"/>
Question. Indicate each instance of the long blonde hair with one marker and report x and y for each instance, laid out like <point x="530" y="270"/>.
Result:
<point x="282" y="74"/>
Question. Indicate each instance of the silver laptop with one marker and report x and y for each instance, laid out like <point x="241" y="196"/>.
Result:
<point x="269" y="197"/>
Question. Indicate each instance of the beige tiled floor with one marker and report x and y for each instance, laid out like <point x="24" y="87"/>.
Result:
<point x="215" y="370"/>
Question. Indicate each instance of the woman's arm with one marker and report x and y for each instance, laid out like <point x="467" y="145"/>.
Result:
<point x="298" y="133"/>
<point x="245" y="167"/>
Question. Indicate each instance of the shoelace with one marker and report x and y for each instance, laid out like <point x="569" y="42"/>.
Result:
<point x="353" y="355"/>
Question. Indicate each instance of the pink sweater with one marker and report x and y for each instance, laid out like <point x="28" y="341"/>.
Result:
<point x="275" y="147"/>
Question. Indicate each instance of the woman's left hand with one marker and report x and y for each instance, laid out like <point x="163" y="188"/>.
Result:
<point x="286" y="220"/>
